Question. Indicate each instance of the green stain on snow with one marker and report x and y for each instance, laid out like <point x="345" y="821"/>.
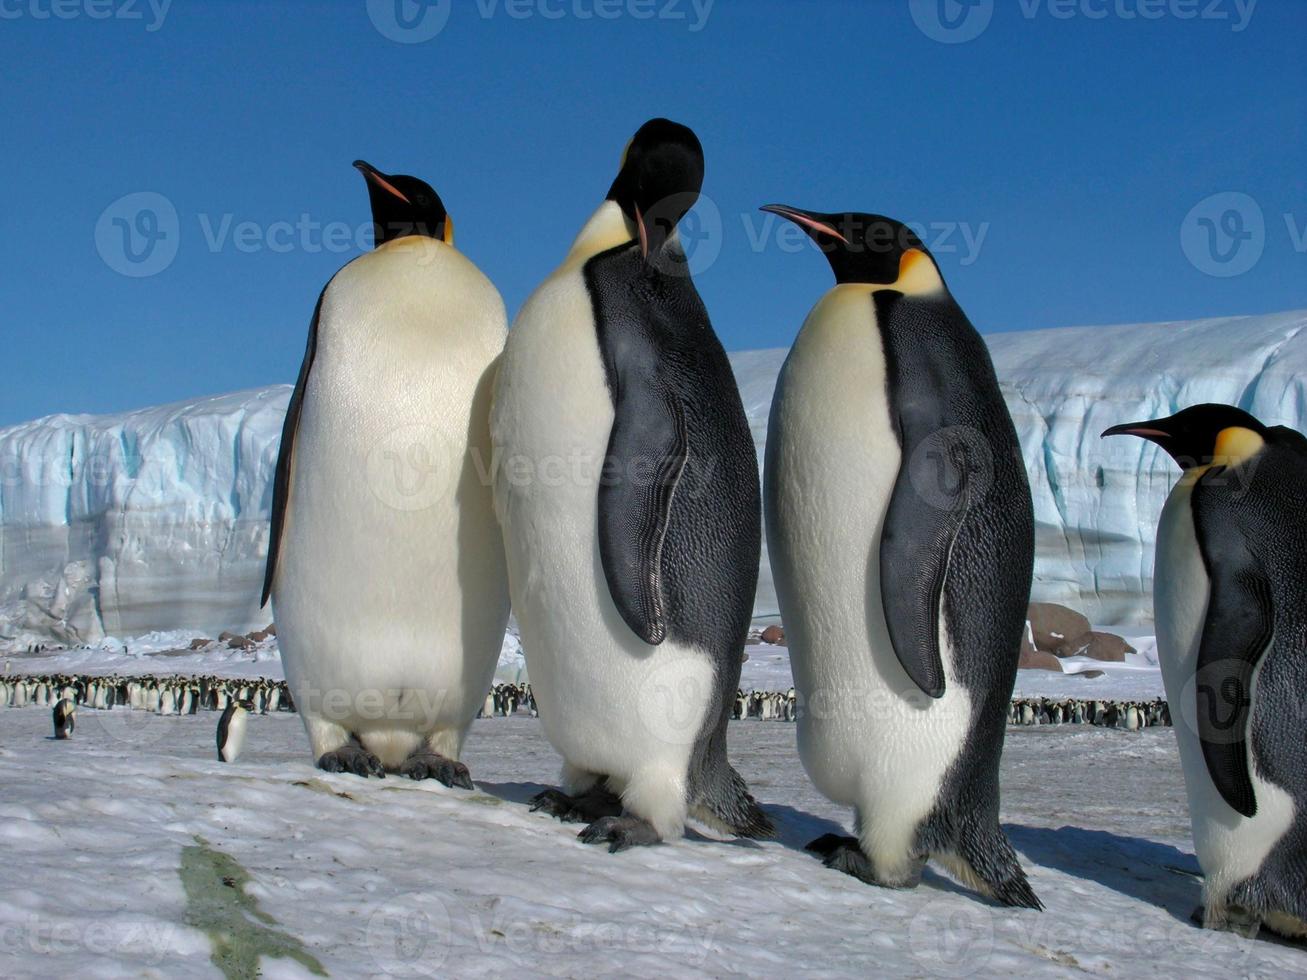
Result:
<point x="239" y="931"/>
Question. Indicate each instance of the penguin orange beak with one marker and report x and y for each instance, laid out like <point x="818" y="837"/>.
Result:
<point x="1144" y="430"/>
<point x="644" y="234"/>
<point x="806" y="219"/>
<point x="375" y="176"/>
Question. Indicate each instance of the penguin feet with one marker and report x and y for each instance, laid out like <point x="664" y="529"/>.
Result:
<point x="588" y="807"/>
<point x="1230" y="918"/>
<point x="845" y="854"/>
<point x="619" y="833"/>
<point x="425" y="764"/>
<point x="352" y="758"/>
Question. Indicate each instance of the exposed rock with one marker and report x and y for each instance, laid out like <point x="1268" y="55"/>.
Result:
<point x="774" y="635"/>
<point x="1053" y="626"/>
<point x="226" y="636"/>
<point x="241" y="643"/>
<point x="271" y="629"/>
<point x="1107" y="647"/>
<point x="199" y="643"/>
<point x="1089" y="675"/>
<point x="1039" y="660"/>
<point x="258" y="636"/>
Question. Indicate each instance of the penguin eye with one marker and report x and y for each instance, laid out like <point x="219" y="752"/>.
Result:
<point x="420" y="200"/>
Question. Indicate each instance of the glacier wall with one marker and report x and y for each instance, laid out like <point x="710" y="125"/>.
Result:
<point x="153" y="519"/>
<point x="158" y="518"/>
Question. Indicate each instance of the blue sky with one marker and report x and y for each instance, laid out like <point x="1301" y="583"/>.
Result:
<point x="1062" y="161"/>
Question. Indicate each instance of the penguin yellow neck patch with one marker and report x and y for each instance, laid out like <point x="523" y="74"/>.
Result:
<point x="917" y="274"/>
<point x="1236" y="444"/>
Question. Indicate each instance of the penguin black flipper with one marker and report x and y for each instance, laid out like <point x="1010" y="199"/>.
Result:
<point x="647" y="452"/>
<point x="1237" y="630"/>
<point x="942" y="459"/>
<point x="281" y="481"/>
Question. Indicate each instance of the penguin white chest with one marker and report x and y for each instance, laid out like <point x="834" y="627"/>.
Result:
<point x="1230" y="846"/>
<point x="391" y="577"/>
<point x="867" y="736"/>
<point x="609" y="703"/>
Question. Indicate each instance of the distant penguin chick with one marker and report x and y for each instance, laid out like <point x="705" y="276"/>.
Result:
<point x="65" y="718"/>
<point x="231" y="731"/>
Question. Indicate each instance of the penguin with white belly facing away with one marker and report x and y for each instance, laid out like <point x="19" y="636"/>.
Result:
<point x="385" y="562"/>
<point x="1230" y="601"/>
<point x="901" y="537"/>
<point x="628" y="493"/>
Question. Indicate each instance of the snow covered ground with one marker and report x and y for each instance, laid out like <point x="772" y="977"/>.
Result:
<point x="130" y="851"/>
<point x="158" y="518"/>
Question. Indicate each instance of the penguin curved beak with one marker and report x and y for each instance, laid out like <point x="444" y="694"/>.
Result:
<point x="644" y="232"/>
<point x="375" y="176"/>
<point x="1144" y="430"/>
<point x="805" y="219"/>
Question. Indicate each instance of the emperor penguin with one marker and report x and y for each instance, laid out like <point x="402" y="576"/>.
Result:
<point x="628" y="493"/>
<point x="901" y="536"/>
<point x="385" y="563"/>
<point x="231" y="731"/>
<point x="65" y="718"/>
<point x="1230" y="603"/>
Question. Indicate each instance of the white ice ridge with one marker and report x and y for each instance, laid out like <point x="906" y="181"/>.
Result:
<point x="158" y="518"/>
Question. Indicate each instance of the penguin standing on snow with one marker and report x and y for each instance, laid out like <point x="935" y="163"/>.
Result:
<point x="901" y="535"/>
<point x="628" y="496"/>
<point x="65" y="718"/>
<point x="1230" y="601"/>
<point x="231" y="731"/>
<point x="385" y="564"/>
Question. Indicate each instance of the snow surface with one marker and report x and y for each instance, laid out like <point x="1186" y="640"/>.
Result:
<point x="157" y="519"/>
<point x="117" y="844"/>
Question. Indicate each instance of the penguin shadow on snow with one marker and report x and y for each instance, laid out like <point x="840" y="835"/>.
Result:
<point x="1153" y="873"/>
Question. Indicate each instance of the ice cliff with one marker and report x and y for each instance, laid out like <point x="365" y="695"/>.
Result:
<point x="157" y="519"/>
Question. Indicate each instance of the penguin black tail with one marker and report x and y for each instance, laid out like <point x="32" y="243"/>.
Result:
<point x="726" y="804"/>
<point x="984" y="859"/>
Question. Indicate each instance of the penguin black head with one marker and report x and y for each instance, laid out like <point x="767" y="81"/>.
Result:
<point x="660" y="179"/>
<point x="404" y="205"/>
<point x="863" y="248"/>
<point x="1201" y="435"/>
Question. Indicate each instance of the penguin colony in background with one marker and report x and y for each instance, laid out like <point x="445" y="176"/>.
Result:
<point x="596" y="465"/>
<point x="264" y="696"/>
